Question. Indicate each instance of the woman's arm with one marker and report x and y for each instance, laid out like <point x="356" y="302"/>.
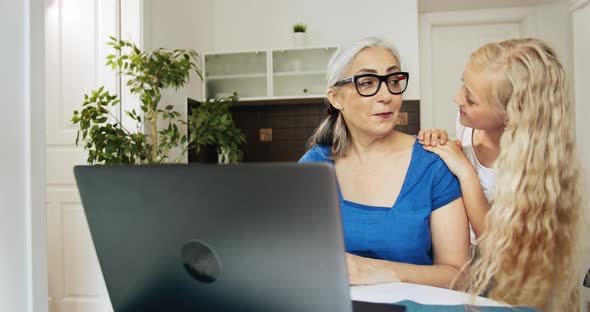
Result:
<point x="450" y="243"/>
<point x="476" y="204"/>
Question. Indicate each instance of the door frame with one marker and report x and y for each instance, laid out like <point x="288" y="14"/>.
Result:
<point x="34" y="126"/>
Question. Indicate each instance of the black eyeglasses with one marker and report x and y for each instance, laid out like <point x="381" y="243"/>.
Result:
<point x="369" y="84"/>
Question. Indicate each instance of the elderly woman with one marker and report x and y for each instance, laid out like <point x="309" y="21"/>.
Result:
<point x="402" y="211"/>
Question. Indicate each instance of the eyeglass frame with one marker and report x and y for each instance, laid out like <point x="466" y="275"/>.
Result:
<point x="353" y="79"/>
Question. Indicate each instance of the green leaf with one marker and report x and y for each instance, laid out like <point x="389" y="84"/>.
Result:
<point x="149" y="74"/>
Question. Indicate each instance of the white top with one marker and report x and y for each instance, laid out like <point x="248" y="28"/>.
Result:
<point x="395" y="292"/>
<point x="487" y="176"/>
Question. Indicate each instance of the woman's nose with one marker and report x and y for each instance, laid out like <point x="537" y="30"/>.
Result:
<point x="383" y="90"/>
<point x="458" y="99"/>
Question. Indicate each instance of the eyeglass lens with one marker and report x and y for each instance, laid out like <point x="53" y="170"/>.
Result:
<point x="369" y="85"/>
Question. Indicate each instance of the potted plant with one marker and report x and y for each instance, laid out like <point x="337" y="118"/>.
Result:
<point x="213" y="132"/>
<point x="299" y="34"/>
<point x="106" y="139"/>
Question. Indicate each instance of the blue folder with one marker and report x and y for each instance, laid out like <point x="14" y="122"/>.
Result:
<point x="412" y="306"/>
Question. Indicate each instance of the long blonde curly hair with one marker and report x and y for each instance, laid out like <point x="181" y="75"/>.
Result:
<point x="527" y="253"/>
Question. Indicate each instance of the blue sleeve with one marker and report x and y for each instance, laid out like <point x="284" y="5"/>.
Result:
<point x="446" y="187"/>
<point x="315" y="154"/>
<point x="308" y="157"/>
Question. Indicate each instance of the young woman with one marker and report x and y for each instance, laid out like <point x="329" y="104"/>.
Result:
<point x="402" y="212"/>
<point x="516" y="162"/>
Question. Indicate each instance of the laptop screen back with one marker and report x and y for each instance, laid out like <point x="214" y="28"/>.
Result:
<point x="251" y="237"/>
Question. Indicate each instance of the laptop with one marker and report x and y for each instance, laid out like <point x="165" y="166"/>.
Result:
<point x="247" y="237"/>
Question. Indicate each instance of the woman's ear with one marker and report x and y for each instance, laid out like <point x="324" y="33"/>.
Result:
<point x="333" y="99"/>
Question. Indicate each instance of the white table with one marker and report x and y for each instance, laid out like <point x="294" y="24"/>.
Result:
<point x="395" y="292"/>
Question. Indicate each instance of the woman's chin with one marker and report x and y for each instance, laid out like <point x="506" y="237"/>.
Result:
<point x="464" y="122"/>
<point x="383" y="130"/>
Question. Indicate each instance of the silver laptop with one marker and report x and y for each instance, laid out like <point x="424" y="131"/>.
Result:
<point x="249" y="237"/>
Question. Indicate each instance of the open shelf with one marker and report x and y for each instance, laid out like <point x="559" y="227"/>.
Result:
<point x="300" y="73"/>
<point x="272" y="74"/>
<point x="243" y="76"/>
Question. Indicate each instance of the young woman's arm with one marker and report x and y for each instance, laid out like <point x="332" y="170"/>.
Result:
<point x="474" y="199"/>
<point x="476" y="203"/>
<point x="450" y="243"/>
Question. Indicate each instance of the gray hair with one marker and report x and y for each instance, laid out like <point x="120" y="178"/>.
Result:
<point x="333" y="130"/>
<point x="346" y="53"/>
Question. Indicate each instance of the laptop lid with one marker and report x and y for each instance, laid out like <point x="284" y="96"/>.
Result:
<point x="249" y="237"/>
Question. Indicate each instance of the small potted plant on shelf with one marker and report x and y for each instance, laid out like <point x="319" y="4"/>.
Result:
<point x="299" y="34"/>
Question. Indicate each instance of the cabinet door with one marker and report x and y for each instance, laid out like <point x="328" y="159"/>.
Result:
<point x="242" y="74"/>
<point x="300" y="72"/>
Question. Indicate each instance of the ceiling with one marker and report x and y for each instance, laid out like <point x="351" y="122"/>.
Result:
<point x="425" y="6"/>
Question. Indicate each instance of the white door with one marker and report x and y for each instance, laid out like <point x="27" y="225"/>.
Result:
<point x="446" y="41"/>
<point x="76" y="35"/>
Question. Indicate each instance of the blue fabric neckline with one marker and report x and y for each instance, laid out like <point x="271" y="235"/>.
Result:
<point x="403" y="190"/>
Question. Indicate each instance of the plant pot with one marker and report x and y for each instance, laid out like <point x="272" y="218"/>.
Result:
<point x="299" y="39"/>
<point x="207" y="155"/>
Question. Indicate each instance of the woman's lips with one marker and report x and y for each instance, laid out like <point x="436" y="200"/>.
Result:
<point x="384" y="115"/>
<point x="462" y="113"/>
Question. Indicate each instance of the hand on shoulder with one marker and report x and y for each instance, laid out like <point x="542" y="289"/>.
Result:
<point x="452" y="155"/>
<point x="433" y="137"/>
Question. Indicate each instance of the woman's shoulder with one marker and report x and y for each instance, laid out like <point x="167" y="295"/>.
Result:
<point x="318" y="153"/>
<point x="431" y="170"/>
<point x="426" y="160"/>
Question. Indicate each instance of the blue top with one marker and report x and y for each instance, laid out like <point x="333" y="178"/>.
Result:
<point x="400" y="233"/>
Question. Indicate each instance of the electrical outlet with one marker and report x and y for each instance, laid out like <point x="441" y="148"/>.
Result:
<point x="265" y="135"/>
<point x="402" y="119"/>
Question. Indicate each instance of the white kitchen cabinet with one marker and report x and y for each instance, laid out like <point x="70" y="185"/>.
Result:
<point x="271" y="74"/>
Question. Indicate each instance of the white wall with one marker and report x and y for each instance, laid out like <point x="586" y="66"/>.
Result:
<point x="261" y="24"/>
<point x="425" y="6"/>
<point x="581" y="62"/>
<point x="581" y="53"/>
<point x="232" y="25"/>
<point x="13" y="197"/>
<point x="23" y="271"/>
<point x="179" y="24"/>
<point x="552" y="23"/>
